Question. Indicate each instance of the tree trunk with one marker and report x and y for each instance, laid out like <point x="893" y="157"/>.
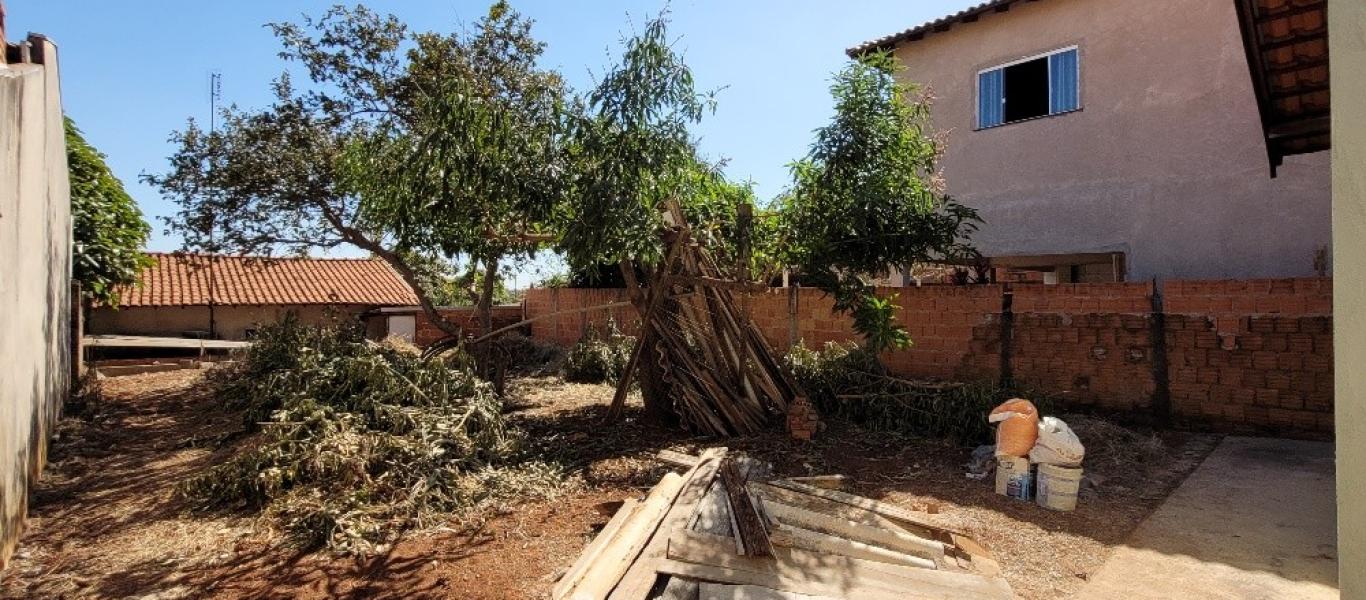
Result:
<point x="654" y="389"/>
<point x="484" y="309"/>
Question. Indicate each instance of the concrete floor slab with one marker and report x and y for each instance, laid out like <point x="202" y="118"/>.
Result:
<point x="1256" y="520"/>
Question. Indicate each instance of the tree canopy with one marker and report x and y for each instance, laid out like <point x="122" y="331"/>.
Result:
<point x="400" y="144"/>
<point x="108" y="231"/>
<point x="867" y="197"/>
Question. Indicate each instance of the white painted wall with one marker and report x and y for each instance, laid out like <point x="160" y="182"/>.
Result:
<point x="1347" y="55"/>
<point x="35" y="275"/>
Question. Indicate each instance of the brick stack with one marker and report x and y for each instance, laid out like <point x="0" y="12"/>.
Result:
<point x="803" y="422"/>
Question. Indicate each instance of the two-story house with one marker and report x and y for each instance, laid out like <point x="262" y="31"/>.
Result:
<point x="1111" y="140"/>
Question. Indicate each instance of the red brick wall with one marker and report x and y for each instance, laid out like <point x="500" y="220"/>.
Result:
<point x="566" y="329"/>
<point x="1253" y="355"/>
<point x="1089" y="343"/>
<point x="426" y="332"/>
<point x="1248" y="355"/>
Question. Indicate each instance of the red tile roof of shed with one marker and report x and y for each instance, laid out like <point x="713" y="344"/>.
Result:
<point x="183" y="280"/>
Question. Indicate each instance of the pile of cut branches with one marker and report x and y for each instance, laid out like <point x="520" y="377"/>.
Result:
<point x="850" y="382"/>
<point x="357" y="441"/>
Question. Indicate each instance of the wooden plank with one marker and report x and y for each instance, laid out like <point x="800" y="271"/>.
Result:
<point x="753" y="534"/>
<point x="721" y="591"/>
<point x="790" y="536"/>
<point x="680" y="588"/>
<point x="835" y="570"/>
<point x="708" y="573"/>
<point x="801" y="585"/>
<point x="853" y="531"/>
<point x="678" y="459"/>
<point x="590" y="554"/>
<point x="829" y="482"/>
<point x="620" y="554"/>
<point x="832" y="508"/>
<point x="713" y="516"/>
<point x="893" y="512"/>
<point x="640" y="578"/>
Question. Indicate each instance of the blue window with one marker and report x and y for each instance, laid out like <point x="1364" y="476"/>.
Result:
<point x="1038" y="86"/>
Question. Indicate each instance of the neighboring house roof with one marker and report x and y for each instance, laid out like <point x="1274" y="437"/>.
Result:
<point x="184" y="280"/>
<point x="967" y="15"/>
<point x="1287" y="54"/>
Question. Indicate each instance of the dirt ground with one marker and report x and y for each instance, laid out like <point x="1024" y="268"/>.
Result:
<point x="104" y="522"/>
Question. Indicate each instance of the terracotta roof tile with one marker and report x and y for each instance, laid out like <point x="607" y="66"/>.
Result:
<point x="184" y="279"/>
<point x="967" y="15"/>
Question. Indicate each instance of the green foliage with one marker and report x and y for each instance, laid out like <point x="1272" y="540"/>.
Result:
<point x="108" y="231"/>
<point x="360" y="440"/>
<point x="402" y="144"/>
<point x="848" y="382"/>
<point x="632" y="151"/>
<point x="866" y="198"/>
<point x="448" y="285"/>
<point x="598" y="358"/>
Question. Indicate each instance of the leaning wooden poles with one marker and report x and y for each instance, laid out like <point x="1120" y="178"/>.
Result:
<point x="698" y="344"/>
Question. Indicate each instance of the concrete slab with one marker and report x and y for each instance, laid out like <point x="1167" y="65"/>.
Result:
<point x="1256" y="520"/>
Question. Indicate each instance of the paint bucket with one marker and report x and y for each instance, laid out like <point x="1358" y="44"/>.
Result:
<point x="1013" y="478"/>
<point x="1058" y="487"/>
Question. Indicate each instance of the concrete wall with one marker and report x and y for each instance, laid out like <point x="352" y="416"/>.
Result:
<point x="1164" y="161"/>
<point x="231" y="322"/>
<point x="1347" y="48"/>
<point x="35" y="275"/>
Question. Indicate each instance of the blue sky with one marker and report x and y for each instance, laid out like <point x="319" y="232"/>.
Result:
<point x="135" y="70"/>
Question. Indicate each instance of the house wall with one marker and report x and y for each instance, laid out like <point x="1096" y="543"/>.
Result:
<point x="1347" y="47"/>
<point x="35" y="276"/>
<point x="1164" y="162"/>
<point x="232" y="322"/>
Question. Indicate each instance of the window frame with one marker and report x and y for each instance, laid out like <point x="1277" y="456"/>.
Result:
<point x="977" y="85"/>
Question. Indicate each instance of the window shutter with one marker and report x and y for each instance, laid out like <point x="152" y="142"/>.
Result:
<point x="990" y="98"/>
<point x="1063" y="82"/>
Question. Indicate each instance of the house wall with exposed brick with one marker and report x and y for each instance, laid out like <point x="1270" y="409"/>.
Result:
<point x="1236" y="355"/>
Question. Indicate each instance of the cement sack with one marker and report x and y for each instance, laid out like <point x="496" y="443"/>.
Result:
<point x="1017" y="423"/>
<point x="1057" y="445"/>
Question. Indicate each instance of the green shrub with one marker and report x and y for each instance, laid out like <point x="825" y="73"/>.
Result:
<point x="848" y="382"/>
<point x="359" y="439"/>
<point x="598" y="358"/>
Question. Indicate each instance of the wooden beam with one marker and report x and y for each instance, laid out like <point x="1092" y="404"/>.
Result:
<point x="829" y="507"/>
<point x="721" y="591"/>
<point x="791" y="536"/>
<point x="677" y="459"/>
<point x="753" y="535"/>
<point x="594" y="549"/>
<point x="895" y="513"/>
<point x="829" y="482"/>
<point x="640" y="578"/>
<point x="837" y="571"/>
<point x="901" y="542"/>
<point x="620" y="553"/>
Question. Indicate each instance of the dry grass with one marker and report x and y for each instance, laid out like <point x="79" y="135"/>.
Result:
<point x="107" y="525"/>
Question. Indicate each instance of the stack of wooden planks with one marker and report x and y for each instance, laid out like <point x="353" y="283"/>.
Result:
<point x="727" y="530"/>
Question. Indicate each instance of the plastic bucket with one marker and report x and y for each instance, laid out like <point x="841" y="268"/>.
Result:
<point x="1057" y="487"/>
<point x="1013" y="478"/>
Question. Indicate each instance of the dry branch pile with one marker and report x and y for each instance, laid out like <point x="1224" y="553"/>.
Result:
<point x="358" y="441"/>
<point x="712" y="361"/>
<point x="726" y="530"/>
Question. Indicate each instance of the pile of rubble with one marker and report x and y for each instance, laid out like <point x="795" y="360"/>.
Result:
<point x="727" y="530"/>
